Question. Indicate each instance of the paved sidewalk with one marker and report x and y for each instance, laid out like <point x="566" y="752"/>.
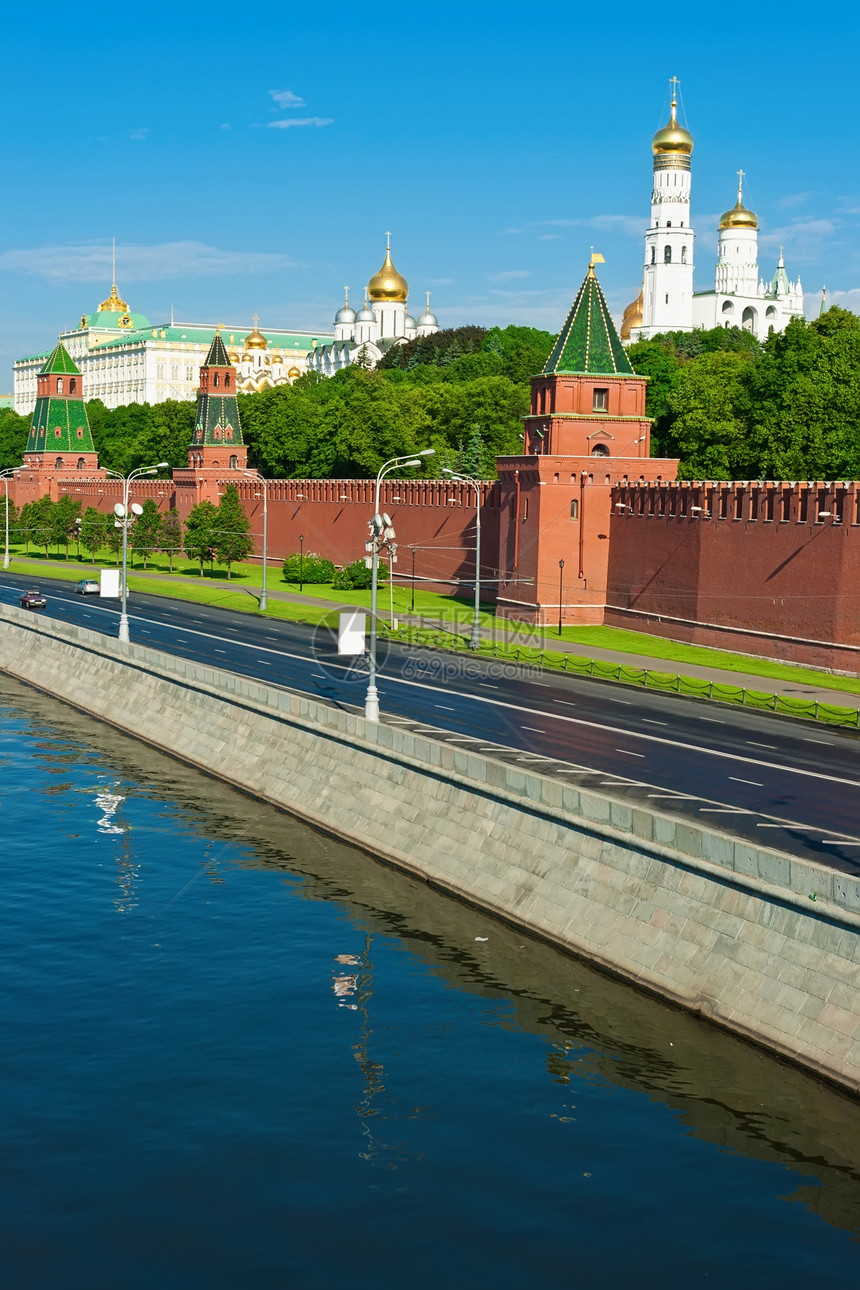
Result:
<point x="791" y="688"/>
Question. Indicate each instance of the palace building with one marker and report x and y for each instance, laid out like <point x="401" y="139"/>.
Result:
<point x="740" y="296"/>
<point x="124" y="359"/>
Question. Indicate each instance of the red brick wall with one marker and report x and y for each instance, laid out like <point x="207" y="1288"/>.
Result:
<point x="753" y="569"/>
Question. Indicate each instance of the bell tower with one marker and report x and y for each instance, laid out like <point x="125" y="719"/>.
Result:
<point x="668" y="273"/>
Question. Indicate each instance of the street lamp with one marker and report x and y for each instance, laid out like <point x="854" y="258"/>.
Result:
<point x="301" y="563"/>
<point x="7" y="475"/>
<point x="121" y="512"/>
<point x="560" y="586"/>
<point x="379" y="532"/>
<point x="475" y="638"/>
<point x="255" y="474"/>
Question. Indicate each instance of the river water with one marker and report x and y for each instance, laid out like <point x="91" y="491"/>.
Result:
<point x="239" y="1054"/>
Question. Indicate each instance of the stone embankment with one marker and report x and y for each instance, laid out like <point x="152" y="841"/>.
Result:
<point x="715" y="924"/>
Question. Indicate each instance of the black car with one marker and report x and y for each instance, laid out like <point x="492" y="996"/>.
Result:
<point x="32" y="599"/>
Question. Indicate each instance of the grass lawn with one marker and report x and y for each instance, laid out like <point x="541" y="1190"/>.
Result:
<point x="186" y="583"/>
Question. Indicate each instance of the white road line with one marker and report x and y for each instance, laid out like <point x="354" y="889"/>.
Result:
<point x="651" y="722"/>
<point x="752" y="743"/>
<point x="486" y="685"/>
<point x="806" y="739"/>
<point x="715" y="721"/>
<point x="264" y="661"/>
<point x="838" y="842"/>
<point x="568" y="703"/>
<point x="442" y="708"/>
<point x="576" y="721"/>
<point x="628" y="753"/>
<point x="723" y="810"/>
<point x="676" y="797"/>
<point x="318" y="676"/>
<point x="536" y="730"/>
<point x="754" y="782"/>
<point x="220" y="651"/>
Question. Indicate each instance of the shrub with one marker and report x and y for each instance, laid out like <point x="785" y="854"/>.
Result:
<point x="311" y="568"/>
<point x="357" y="576"/>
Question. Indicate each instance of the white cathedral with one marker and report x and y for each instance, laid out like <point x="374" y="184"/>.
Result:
<point x="740" y="297"/>
<point x="383" y="321"/>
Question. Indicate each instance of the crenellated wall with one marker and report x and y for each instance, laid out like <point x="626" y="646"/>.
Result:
<point x="762" y="567"/>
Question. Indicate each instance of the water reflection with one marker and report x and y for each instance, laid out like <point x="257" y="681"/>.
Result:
<point x="595" y="1030"/>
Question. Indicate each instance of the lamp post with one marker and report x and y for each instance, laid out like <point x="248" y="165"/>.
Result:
<point x="378" y="531"/>
<point x="255" y="474"/>
<point x="412" y="606"/>
<point x="121" y="512"/>
<point x="475" y="638"/>
<point x="301" y="563"/>
<point x="7" y="475"/>
<point x="560" y="591"/>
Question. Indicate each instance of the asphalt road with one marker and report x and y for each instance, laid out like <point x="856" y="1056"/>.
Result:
<point x="778" y="782"/>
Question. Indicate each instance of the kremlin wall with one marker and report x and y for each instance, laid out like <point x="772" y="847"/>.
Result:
<point x="583" y="527"/>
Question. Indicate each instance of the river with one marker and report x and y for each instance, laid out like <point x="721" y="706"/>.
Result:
<point x="238" y="1053"/>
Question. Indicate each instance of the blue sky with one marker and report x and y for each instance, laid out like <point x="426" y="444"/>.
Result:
<point x="250" y="159"/>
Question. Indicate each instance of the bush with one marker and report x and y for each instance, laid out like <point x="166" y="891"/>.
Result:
<point x="311" y="568"/>
<point x="357" y="576"/>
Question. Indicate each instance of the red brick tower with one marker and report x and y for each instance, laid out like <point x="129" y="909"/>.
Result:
<point x="60" y="445"/>
<point x="217" y="452"/>
<point x="586" y="430"/>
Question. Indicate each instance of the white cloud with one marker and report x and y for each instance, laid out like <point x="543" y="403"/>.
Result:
<point x="508" y="274"/>
<point x="803" y="238"/>
<point x="306" y="120"/>
<point x="139" y="134"/>
<point x="286" y="98"/>
<point x="844" y="299"/>
<point x="61" y="264"/>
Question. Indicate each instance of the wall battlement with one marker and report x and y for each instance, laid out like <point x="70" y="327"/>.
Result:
<point x="754" y="501"/>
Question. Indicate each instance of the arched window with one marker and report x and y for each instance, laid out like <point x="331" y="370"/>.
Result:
<point x="73" y="386"/>
<point x="234" y="463"/>
<point x="226" y="380"/>
<point x="574" y="509"/>
<point x="667" y="255"/>
<point x="653" y="255"/>
<point x="600" y="450"/>
<point x="81" y="463"/>
<point x="728" y="307"/>
<point x="59" y="384"/>
<point x="668" y="223"/>
<point x="770" y="312"/>
<point x="749" y="319"/>
<point x="216" y="380"/>
<point x="683" y="255"/>
<point x="58" y="464"/>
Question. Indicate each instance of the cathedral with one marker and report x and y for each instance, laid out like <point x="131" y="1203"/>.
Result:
<point x="384" y="320"/>
<point x="740" y="297"/>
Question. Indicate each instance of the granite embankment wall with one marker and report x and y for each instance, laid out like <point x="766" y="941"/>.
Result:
<point x="722" y="927"/>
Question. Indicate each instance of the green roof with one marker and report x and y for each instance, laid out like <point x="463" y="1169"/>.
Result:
<point x="61" y="426"/>
<point x="217" y="420"/>
<point x="588" y="344"/>
<point x="217" y="356"/>
<point x="193" y="334"/>
<point x="60" y="362"/>
<point x="111" y="320"/>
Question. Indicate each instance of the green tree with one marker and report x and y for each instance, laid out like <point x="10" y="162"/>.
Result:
<point x="200" y="533"/>
<point x="63" y="515"/>
<point x="14" y="431"/>
<point x="40" y="524"/>
<point x="94" y="529"/>
<point x="233" y="539"/>
<point x="472" y="456"/>
<point x="171" y="535"/>
<point x="146" y="531"/>
<point x="357" y="576"/>
<point x="707" y="418"/>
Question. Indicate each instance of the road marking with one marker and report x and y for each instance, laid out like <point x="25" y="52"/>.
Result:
<point x="651" y="722"/>
<point x="628" y="753"/>
<point x="318" y="676"/>
<point x="220" y="651"/>
<point x="618" y="782"/>
<point x="754" y="782"/>
<point x="568" y="703"/>
<point x="715" y="721"/>
<point x="577" y="721"/>
<point x="264" y="661"/>
<point x="442" y="708"/>
<point x="752" y="743"/>
<point x="838" y="842"/>
<point x="724" y="810"/>
<point x="677" y="797"/>
<point x="536" y="730"/>
<point x="806" y="739"/>
<point x="486" y="685"/>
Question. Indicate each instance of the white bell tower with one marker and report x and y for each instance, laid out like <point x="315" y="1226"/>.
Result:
<point x="667" y="303"/>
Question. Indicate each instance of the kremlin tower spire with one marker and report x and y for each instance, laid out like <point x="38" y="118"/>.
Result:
<point x="218" y="442"/>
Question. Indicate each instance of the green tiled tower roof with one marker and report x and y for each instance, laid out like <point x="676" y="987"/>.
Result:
<point x="217" y="356"/>
<point x="59" y="362"/>
<point x="588" y="344"/>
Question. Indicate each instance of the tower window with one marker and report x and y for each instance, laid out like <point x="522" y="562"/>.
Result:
<point x="59" y="384"/>
<point x="234" y="463"/>
<point x="668" y="223"/>
<point x="216" y="380"/>
<point x="81" y="463"/>
<point x="600" y="450"/>
<point x="683" y="255"/>
<point x="574" y="509"/>
<point x="600" y="401"/>
<point x="653" y="255"/>
<point x="226" y="380"/>
<point x="58" y="464"/>
<point x="73" y="386"/>
<point x="667" y="255"/>
<point x="667" y="297"/>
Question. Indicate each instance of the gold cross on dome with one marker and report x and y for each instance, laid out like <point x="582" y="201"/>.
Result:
<point x="741" y="177"/>
<point x="674" y="82"/>
<point x="256" y="319"/>
<point x="388" y="241"/>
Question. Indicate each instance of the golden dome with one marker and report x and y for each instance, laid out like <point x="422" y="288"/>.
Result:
<point x="739" y="216"/>
<point x="387" y="284"/>
<point x="255" y="339"/>
<point x="114" y="303"/>
<point x="633" y="316"/>
<point x="673" y="139"/>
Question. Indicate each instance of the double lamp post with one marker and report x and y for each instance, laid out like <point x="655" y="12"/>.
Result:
<point x="121" y="511"/>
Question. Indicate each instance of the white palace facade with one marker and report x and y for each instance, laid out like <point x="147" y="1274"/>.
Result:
<point x="740" y="296"/>
<point x="124" y="359"/>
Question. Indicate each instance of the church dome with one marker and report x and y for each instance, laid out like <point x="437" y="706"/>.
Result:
<point x="632" y="319"/>
<point x="739" y="216"/>
<point x="256" y="339"/>
<point x="428" y="320"/>
<point x="114" y="303"/>
<point x="673" y="139"/>
<point x="345" y="314"/>
<point x="366" y="314"/>
<point x="387" y="283"/>
<point x="409" y="323"/>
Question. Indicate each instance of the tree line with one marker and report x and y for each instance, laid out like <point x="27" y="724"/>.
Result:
<point x="731" y="408"/>
<point x="211" y="534"/>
